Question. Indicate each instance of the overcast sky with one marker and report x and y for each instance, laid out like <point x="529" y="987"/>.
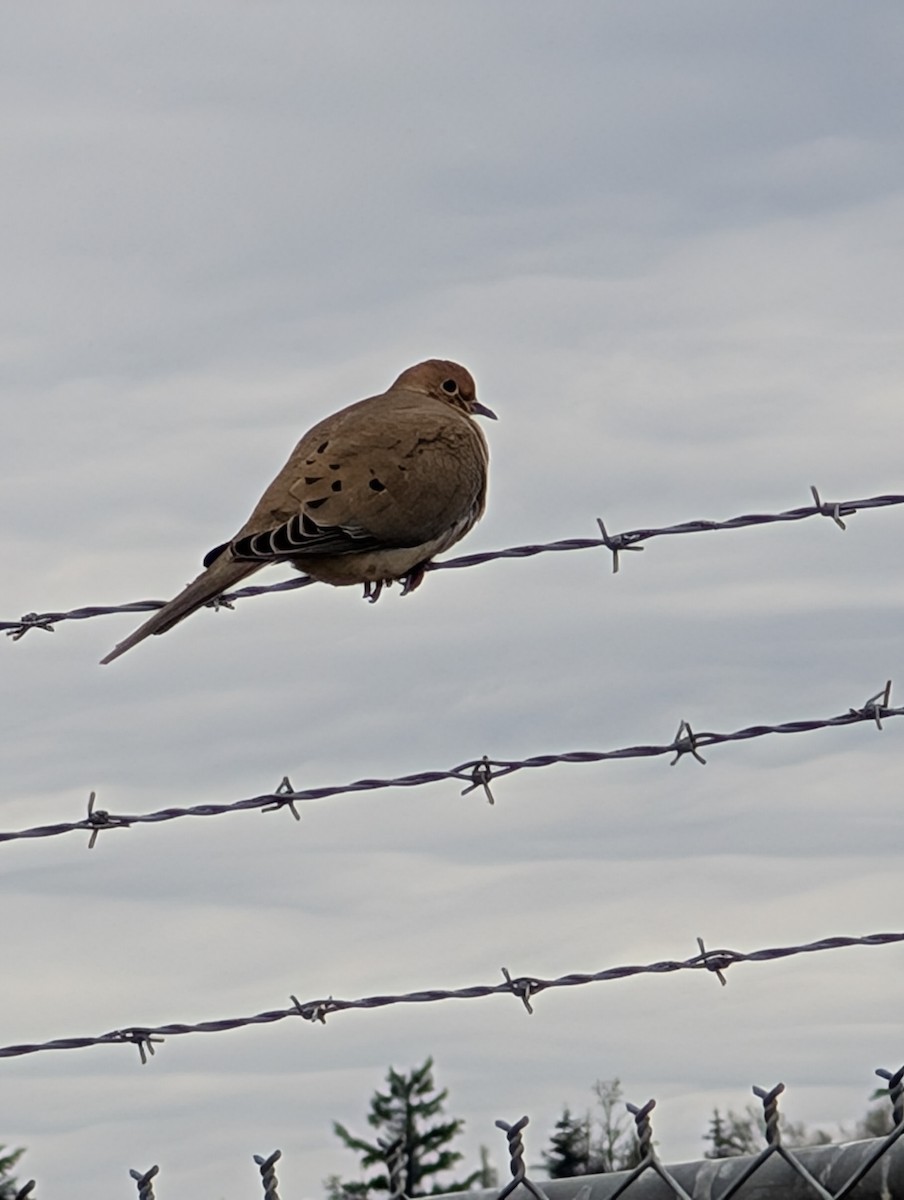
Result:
<point x="666" y="238"/>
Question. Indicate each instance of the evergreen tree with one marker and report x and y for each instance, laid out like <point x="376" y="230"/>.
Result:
<point x="744" y="1133"/>
<point x="569" y="1152"/>
<point x="731" y="1135"/>
<point x="8" y="1186"/>
<point x="404" y="1116"/>
<point x="588" y="1146"/>
<point x="487" y="1176"/>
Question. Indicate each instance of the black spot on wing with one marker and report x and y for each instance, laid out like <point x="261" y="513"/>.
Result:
<point x="212" y="555"/>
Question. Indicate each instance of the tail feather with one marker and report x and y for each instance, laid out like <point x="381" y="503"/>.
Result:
<point x="221" y="575"/>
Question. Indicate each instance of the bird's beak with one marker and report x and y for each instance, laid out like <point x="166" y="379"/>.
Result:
<point x="482" y="411"/>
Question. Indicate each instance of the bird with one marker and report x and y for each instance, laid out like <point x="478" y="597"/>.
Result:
<point x="368" y="496"/>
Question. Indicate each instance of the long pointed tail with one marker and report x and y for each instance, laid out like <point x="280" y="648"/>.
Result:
<point x="221" y="575"/>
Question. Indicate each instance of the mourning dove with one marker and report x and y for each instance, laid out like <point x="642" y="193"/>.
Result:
<point x="369" y="495"/>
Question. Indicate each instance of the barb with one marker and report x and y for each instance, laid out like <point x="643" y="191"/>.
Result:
<point x="876" y="704"/>
<point x="100" y="819"/>
<point x="522" y="987"/>
<point x="285" y="796"/>
<point x="714" y="961"/>
<point x="615" y="543"/>
<point x="686" y="743"/>
<point x="481" y="776"/>
<point x="18" y="629"/>
<point x="477" y="773"/>
<point x="621" y="541"/>
<point x="314" y="1010"/>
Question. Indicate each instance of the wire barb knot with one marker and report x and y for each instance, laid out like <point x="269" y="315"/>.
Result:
<point x="716" y="961"/>
<point x="30" y="621"/>
<point x="686" y="743"/>
<point x="219" y="602"/>
<point x="522" y="987"/>
<point x="874" y="705"/>
<point x="616" y="543"/>
<point x="25" y="1190"/>
<point x="144" y="1039"/>
<point x="835" y="511"/>
<point x="481" y="777"/>
<point x="268" y="1173"/>
<point x="98" y="819"/>
<point x="314" y="1010"/>
<point x="287" y="796"/>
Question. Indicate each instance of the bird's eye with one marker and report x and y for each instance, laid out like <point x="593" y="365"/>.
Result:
<point x="450" y="386"/>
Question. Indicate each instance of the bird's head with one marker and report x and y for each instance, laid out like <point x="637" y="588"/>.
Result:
<point x="447" y="381"/>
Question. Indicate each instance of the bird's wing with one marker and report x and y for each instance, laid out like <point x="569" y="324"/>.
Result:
<point x="396" y="470"/>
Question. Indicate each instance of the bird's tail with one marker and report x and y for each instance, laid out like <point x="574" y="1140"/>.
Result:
<point x="221" y="575"/>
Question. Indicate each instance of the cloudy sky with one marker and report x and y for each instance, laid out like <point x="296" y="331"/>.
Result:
<point x="666" y="239"/>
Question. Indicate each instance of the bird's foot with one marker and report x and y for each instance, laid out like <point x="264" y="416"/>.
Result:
<point x="373" y="589"/>
<point x="413" y="579"/>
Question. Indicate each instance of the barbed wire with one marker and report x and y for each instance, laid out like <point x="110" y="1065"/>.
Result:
<point x="524" y="987"/>
<point x="477" y="773"/>
<point x="615" y="543"/>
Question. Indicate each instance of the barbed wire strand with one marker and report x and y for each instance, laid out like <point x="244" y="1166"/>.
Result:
<point x="524" y="987"/>
<point x="615" y="543"/>
<point x="478" y="773"/>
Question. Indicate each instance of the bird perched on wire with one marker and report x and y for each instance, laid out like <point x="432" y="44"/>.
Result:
<point x="368" y="496"/>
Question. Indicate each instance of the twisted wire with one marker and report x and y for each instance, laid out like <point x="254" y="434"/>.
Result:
<point x="615" y="543"/>
<point x="703" y="1181"/>
<point x="267" y="1167"/>
<point x="714" y="961"/>
<point x="476" y="773"/>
